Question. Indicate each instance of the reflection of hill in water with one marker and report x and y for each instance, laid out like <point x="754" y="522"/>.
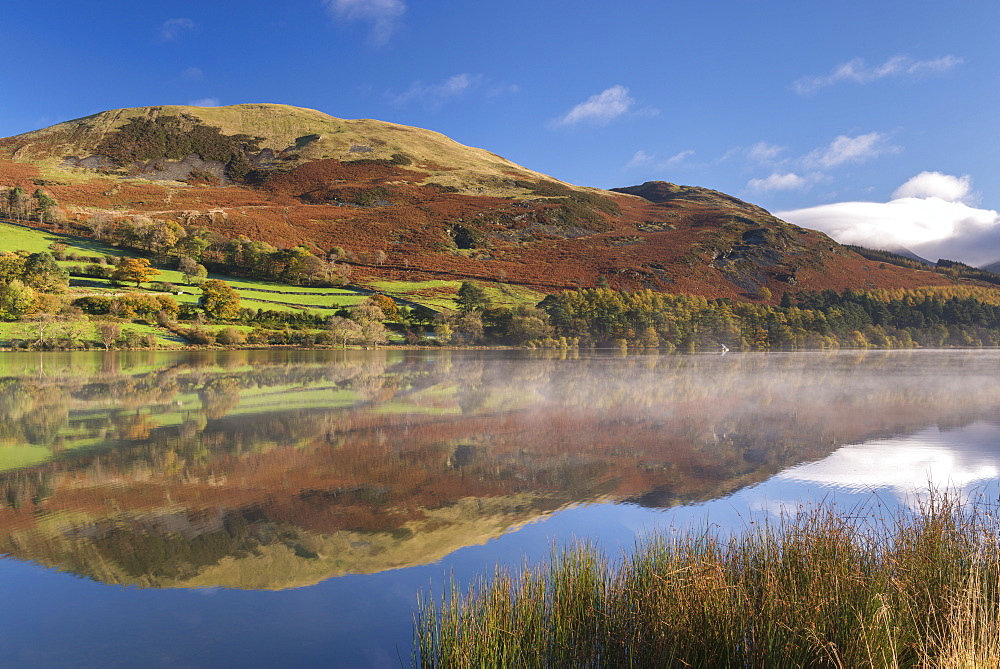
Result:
<point x="257" y="469"/>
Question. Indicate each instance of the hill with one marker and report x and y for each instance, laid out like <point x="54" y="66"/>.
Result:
<point x="404" y="203"/>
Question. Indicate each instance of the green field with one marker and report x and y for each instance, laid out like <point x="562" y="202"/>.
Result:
<point x="17" y="238"/>
<point x="436" y="294"/>
<point x="254" y="294"/>
<point x="441" y="294"/>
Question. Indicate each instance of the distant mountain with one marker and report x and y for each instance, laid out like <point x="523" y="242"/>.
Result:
<point x="907" y="253"/>
<point x="435" y="208"/>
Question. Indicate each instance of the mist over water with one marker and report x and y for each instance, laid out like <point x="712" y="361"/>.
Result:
<point x="331" y="486"/>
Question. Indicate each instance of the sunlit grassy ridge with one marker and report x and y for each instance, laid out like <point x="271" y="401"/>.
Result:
<point x="825" y="588"/>
<point x="311" y="134"/>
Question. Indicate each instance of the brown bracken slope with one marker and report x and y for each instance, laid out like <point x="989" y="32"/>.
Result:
<point x="436" y="208"/>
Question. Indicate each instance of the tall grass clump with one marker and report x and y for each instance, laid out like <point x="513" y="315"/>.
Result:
<point x="821" y="587"/>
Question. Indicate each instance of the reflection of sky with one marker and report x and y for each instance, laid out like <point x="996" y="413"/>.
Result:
<point x="893" y="473"/>
<point x="366" y="620"/>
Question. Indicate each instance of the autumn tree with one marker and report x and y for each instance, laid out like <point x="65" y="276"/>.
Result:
<point x="16" y="298"/>
<point x="134" y="269"/>
<point x="387" y="305"/>
<point x="43" y="273"/>
<point x="12" y="266"/>
<point x="343" y="329"/>
<point x="528" y="323"/>
<point x="249" y="255"/>
<point x="468" y="328"/>
<point x="371" y="319"/>
<point x="192" y="271"/>
<point x="442" y="332"/>
<point x="108" y="333"/>
<point x="157" y="236"/>
<point x="219" y="300"/>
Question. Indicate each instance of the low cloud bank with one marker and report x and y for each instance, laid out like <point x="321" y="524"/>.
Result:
<point x="931" y="214"/>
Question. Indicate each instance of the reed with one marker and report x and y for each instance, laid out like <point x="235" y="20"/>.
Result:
<point x="821" y="587"/>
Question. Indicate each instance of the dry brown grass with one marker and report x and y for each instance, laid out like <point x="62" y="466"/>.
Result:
<point x="823" y="588"/>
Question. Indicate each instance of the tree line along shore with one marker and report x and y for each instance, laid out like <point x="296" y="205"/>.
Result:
<point x="138" y="282"/>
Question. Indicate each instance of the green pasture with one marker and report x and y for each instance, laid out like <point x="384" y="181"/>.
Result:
<point x="436" y="294"/>
<point x="441" y="294"/>
<point x="17" y="238"/>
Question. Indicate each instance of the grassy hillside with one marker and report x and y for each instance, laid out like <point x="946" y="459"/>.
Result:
<point x="435" y="209"/>
<point x="299" y="134"/>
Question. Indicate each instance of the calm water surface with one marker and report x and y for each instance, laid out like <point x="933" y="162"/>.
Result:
<point x="283" y="508"/>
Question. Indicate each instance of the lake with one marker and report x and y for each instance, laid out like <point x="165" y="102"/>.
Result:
<point x="262" y="508"/>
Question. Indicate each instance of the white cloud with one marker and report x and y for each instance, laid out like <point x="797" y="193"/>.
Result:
<point x="193" y="74"/>
<point x="858" y="72"/>
<point x="435" y="95"/>
<point x="384" y="15"/>
<point x="600" y="109"/>
<point x="677" y="158"/>
<point x="920" y="220"/>
<point x="640" y="159"/>
<point x="787" y="181"/>
<point x="204" y="102"/>
<point x="936" y="184"/>
<point x="497" y="90"/>
<point x="846" y="149"/>
<point x="172" y="28"/>
<point x="643" y="159"/>
<point x="762" y="152"/>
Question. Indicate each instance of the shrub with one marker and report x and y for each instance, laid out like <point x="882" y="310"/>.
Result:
<point x="199" y="336"/>
<point x="230" y="336"/>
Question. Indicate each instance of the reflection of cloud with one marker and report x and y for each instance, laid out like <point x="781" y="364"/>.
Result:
<point x="958" y="459"/>
<point x="774" y="507"/>
<point x="858" y="72"/>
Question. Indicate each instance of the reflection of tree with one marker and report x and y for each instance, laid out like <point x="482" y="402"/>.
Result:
<point x="133" y="426"/>
<point x="32" y="413"/>
<point x="219" y="396"/>
<point x="24" y="488"/>
<point x="384" y="449"/>
<point x="16" y="399"/>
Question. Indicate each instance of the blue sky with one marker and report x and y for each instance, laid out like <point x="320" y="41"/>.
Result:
<point x="875" y="121"/>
